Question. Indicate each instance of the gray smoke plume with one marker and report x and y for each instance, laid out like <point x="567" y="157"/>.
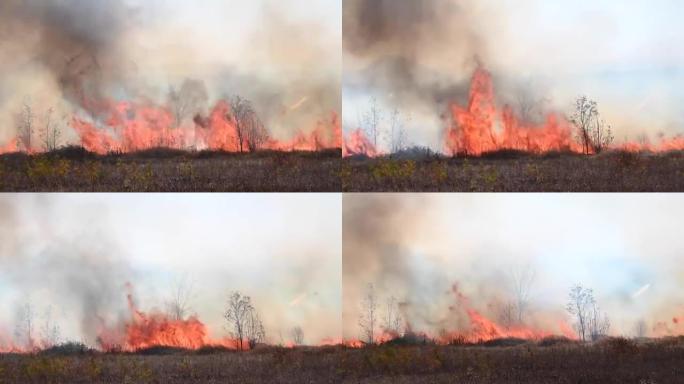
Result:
<point x="75" y="56"/>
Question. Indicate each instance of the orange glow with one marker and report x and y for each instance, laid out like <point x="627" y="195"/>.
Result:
<point x="481" y="127"/>
<point x="144" y="330"/>
<point x="358" y="144"/>
<point x="482" y="328"/>
<point x="126" y="126"/>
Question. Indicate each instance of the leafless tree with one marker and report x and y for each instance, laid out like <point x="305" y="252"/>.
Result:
<point x="580" y="304"/>
<point x="392" y="320"/>
<point x="26" y="126"/>
<point x="241" y="113"/>
<point x="256" y="134"/>
<point x="49" y="330"/>
<point x="522" y="279"/>
<point x="640" y="329"/>
<point x="178" y="304"/>
<point x="397" y="132"/>
<point x="187" y="101"/>
<point x="592" y="132"/>
<point x="372" y="120"/>
<point x="507" y="314"/>
<point x="598" y="324"/>
<point x="368" y="317"/>
<point x="51" y="132"/>
<point x="25" y="325"/>
<point x="237" y="314"/>
<point x="255" y="332"/>
<point x="298" y="335"/>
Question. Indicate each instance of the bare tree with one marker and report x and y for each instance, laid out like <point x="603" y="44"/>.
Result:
<point x="580" y="303"/>
<point x="236" y="315"/>
<point x="256" y="134"/>
<point x="592" y="132"/>
<point x="598" y="324"/>
<point x="189" y="100"/>
<point x="178" y="304"/>
<point x="243" y="321"/>
<point x="392" y="320"/>
<point x="298" y="335"/>
<point x="372" y="120"/>
<point x="50" y="133"/>
<point x="26" y="126"/>
<point x="397" y="132"/>
<point x="241" y="112"/>
<point x="522" y="279"/>
<point x="368" y="317"/>
<point x="255" y="332"/>
<point x="25" y="325"/>
<point x="507" y="314"/>
<point x="49" y="330"/>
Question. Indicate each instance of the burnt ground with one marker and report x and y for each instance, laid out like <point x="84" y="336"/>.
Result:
<point x="605" y="362"/>
<point x="508" y="171"/>
<point x="166" y="170"/>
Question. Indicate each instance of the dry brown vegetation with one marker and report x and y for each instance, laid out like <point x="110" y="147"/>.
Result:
<point x="612" y="360"/>
<point x="508" y="171"/>
<point x="165" y="170"/>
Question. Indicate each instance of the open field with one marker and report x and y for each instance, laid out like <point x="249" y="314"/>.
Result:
<point x="503" y="361"/>
<point x="165" y="170"/>
<point x="517" y="172"/>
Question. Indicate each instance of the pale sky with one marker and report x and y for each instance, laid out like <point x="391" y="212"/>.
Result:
<point x="274" y="248"/>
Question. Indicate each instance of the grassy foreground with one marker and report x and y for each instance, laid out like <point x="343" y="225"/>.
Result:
<point x="608" y="361"/>
<point x="509" y="171"/>
<point x="166" y="170"/>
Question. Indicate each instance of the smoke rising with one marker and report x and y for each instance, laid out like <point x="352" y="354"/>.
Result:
<point x="77" y="57"/>
<point x="417" y="248"/>
<point x="418" y="57"/>
<point x="78" y="254"/>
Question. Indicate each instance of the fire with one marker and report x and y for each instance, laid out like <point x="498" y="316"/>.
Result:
<point x="482" y="127"/>
<point x="358" y="144"/>
<point x="144" y="330"/>
<point x="482" y="328"/>
<point x="126" y="126"/>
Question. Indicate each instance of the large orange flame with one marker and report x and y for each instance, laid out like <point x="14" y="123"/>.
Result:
<point x="144" y="330"/>
<point x="481" y="127"/>
<point x="131" y="126"/>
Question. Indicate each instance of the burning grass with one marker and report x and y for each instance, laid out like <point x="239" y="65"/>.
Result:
<point x="515" y="171"/>
<point x="613" y="360"/>
<point x="76" y="169"/>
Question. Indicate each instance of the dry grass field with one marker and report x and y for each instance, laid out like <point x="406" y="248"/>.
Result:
<point x="517" y="172"/>
<point x="164" y="170"/>
<point x="613" y="360"/>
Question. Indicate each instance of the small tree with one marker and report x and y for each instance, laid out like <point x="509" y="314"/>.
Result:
<point x="598" y="324"/>
<point x="49" y="330"/>
<point x="592" y="132"/>
<point x="397" y="132"/>
<point x="372" y="120"/>
<point x="237" y="314"/>
<point x="178" y="304"/>
<point x="255" y="332"/>
<point x="522" y="279"/>
<point x="298" y="335"/>
<point x="25" y="325"/>
<point x="26" y="126"/>
<point x="50" y="133"/>
<point x="392" y="320"/>
<point x="580" y="302"/>
<point x="368" y="318"/>
<point x="241" y="113"/>
<point x="256" y="134"/>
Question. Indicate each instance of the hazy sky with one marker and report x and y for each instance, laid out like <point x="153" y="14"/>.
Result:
<point x="628" y="56"/>
<point x="420" y="244"/>
<point x="283" y="250"/>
